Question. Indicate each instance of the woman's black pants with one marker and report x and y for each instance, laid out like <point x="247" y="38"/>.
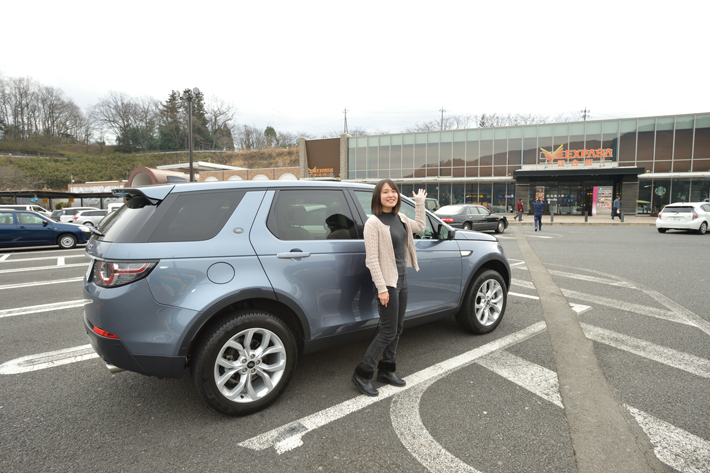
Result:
<point x="391" y="325"/>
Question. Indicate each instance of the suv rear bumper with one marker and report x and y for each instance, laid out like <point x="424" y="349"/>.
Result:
<point x="114" y="352"/>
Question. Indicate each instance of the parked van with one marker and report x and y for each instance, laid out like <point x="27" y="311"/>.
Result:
<point x="31" y="207"/>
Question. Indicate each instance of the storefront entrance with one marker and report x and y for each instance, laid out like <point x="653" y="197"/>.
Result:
<point x="575" y="197"/>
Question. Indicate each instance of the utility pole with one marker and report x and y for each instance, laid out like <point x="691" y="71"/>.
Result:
<point x="441" y="127"/>
<point x="345" y="124"/>
<point x="188" y="95"/>
<point x="585" y="113"/>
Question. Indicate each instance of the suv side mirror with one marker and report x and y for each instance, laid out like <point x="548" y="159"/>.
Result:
<point x="446" y="233"/>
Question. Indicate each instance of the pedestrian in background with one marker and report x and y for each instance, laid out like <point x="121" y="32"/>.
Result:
<point x="389" y="250"/>
<point x="520" y="210"/>
<point x="615" y="207"/>
<point x="538" y="208"/>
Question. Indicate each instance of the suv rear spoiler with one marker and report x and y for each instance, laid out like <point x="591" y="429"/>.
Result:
<point x="154" y="193"/>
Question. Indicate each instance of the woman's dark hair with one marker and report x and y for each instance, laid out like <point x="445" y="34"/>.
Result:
<point x="376" y="206"/>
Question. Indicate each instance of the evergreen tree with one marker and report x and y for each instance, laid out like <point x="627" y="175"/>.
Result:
<point x="173" y="124"/>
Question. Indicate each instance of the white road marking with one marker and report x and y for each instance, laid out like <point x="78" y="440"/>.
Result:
<point x="4" y="257"/>
<point x="533" y="377"/>
<point x="40" y="283"/>
<point x="289" y="436"/>
<point x="583" y="277"/>
<point x="60" y="261"/>
<point x="41" y="268"/>
<point x="537" y="236"/>
<point x="518" y="263"/>
<point x="48" y="360"/>
<point x="614" y="303"/>
<point x="24" y="260"/>
<point x="673" y="446"/>
<point x="579" y="308"/>
<point x="43" y="308"/>
<point x="667" y="356"/>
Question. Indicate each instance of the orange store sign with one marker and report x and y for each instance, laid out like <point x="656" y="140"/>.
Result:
<point x="573" y="157"/>
<point x="320" y="172"/>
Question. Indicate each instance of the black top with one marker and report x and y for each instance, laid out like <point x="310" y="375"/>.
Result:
<point x="398" y="232"/>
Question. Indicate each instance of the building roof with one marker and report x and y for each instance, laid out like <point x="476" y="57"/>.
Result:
<point x="200" y="166"/>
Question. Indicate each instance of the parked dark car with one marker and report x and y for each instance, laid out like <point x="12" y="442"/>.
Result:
<point x="472" y="217"/>
<point x="236" y="280"/>
<point x="18" y="228"/>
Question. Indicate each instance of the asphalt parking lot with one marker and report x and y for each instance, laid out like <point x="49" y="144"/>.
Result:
<point x="502" y="402"/>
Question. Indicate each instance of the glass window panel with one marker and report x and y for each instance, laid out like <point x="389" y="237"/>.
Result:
<point x="432" y="153"/>
<point x="396" y="140"/>
<point x="486" y="151"/>
<point x="561" y="132"/>
<point x="576" y="136"/>
<point x="407" y="155"/>
<point x="459" y="172"/>
<point x="372" y="141"/>
<point x="664" y="138"/>
<point x="499" y="200"/>
<point x="681" y="165"/>
<point x="471" y="193"/>
<point x="530" y="151"/>
<point x="500" y="152"/>
<point x="610" y="137"/>
<point x="433" y="137"/>
<point x="647" y="165"/>
<point x="444" y="193"/>
<point x="683" y="146"/>
<point x="457" y="193"/>
<point x="419" y="152"/>
<point x="515" y="150"/>
<point x="459" y="153"/>
<point x="472" y="154"/>
<point x="473" y="135"/>
<point x="662" y="166"/>
<point x="459" y="135"/>
<point x="445" y="150"/>
<point x="408" y="139"/>
<point x="643" y="205"/>
<point x="384" y="140"/>
<point x="384" y="155"/>
<point x="515" y="132"/>
<point x="361" y="161"/>
<point x="646" y="138"/>
<point x="362" y="142"/>
<point x="407" y="189"/>
<point x="681" y="190"/>
<point x="484" y="194"/>
<point x="701" y="165"/>
<point x="432" y="190"/>
<point x="500" y="133"/>
<point x="351" y="143"/>
<point x="627" y="141"/>
<point x="700" y="188"/>
<point x="593" y="131"/>
<point x="701" y="149"/>
<point x="396" y="156"/>
<point x="372" y="164"/>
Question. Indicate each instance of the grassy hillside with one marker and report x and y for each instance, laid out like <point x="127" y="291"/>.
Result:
<point x="52" y="167"/>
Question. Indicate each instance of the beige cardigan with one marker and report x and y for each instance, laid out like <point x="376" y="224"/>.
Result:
<point x="379" y="252"/>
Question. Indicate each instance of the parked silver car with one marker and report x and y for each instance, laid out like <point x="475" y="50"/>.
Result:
<point x="68" y="213"/>
<point x="89" y="217"/>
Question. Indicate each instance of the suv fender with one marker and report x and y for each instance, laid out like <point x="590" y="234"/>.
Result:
<point x="491" y="261"/>
<point x="258" y="298"/>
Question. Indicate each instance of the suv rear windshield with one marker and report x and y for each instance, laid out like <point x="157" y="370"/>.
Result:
<point x="190" y="216"/>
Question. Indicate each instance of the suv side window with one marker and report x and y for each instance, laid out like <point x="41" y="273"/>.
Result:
<point x="195" y="216"/>
<point x="365" y="199"/>
<point x="312" y="215"/>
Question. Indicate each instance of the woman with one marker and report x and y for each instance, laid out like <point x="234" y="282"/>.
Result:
<point x="389" y="250"/>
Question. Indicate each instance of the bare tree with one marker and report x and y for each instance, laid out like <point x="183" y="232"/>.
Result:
<point x="220" y="118"/>
<point x="12" y="178"/>
<point x="248" y="137"/>
<point x="115" y="113"/>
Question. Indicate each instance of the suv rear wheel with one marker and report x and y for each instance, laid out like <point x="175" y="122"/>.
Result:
<point x="484" y="304"/>
<point x="244" y="364"/>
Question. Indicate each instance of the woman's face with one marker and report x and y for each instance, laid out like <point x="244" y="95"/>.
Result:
<point x="388" y="198"/>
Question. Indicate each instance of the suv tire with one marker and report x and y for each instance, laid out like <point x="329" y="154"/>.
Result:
<point x="250" y="387"/>
<point x="484" y="304"/>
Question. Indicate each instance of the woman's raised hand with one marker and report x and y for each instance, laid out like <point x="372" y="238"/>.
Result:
<point x="421" y="193"/>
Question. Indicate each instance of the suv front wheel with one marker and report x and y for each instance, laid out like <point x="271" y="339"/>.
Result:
<point x="244" y="364"/>
<point x="484" y="304"/>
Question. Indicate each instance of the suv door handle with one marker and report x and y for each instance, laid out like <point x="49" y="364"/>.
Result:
<point x="293" y="254"/>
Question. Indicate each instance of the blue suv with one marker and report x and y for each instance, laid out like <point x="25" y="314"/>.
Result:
<point x="235" y="280"/>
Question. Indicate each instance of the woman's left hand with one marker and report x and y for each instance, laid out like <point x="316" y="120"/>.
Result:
<point x="421" y="193"/>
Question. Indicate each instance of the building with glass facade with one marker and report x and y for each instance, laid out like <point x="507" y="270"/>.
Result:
<point x="576" y="166"/>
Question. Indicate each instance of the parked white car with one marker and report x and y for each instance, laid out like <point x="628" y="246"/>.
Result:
<point x="31" y="207"/>
<point x="688" y="216"/>
<point x="89" y="217"/>
<point x="68" y="213"/>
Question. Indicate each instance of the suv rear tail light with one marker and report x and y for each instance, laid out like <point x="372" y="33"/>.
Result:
<point x="120" y="273"/>
<point x="447" y="220"/>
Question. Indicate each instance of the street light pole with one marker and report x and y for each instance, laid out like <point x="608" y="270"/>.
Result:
<point x="189" y="95"/>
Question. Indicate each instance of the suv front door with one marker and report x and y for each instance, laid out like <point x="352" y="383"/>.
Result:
<point x="437" y="285"/>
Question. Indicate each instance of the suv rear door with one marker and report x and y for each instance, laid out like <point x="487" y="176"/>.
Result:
<point x="310" y="245"/>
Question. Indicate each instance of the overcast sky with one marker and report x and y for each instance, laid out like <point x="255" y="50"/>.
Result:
<point x="295" y="65"/>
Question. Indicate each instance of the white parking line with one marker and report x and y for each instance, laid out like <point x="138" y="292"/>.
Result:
<point x="667" y="356"/>
<point x="24" y="260"/>
<point x="673" y="446"/>
<point x="583" y="277"/>
<point x="48" y="360"/>
<point x="43" y="308"/>
<point x="40" y="283"/>
<point x="60" y="261"/>
<point x="289" y="436"/>
<point x="41" y="268"/>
